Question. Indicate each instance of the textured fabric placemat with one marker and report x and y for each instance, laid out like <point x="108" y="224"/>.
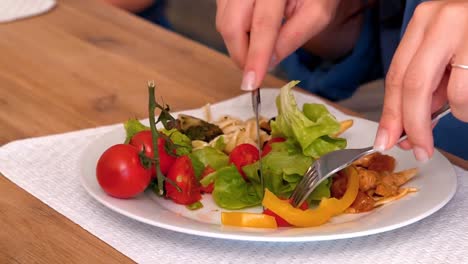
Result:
<point x="48" y="168"/>
<point x="11" y="10"/>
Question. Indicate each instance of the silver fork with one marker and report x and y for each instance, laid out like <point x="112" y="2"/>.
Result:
<point x="331" y="163"/>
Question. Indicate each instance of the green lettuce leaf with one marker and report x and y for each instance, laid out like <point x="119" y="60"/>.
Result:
<point x="210" y="156"/>
<point x="219" y="144"/>
<point x="194" y="206"/>
<point x="310" y="128"/>
<point x="182" y="143"/>
<point x="198" y="166"/>
<point x="133" y="126"/>
<point x="322" y="191"/>
<point x="276" y="165"/>
<point x="232" y="192"/>
<point x="283" y="168"/>
<point x="324" y="145"/>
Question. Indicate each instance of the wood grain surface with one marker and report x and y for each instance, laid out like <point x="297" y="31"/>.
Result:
<point x="82" y="65"/>
<point x="86" y="64"/>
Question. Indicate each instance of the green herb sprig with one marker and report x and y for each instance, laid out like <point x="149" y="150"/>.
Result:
<point x="165" y="118"/>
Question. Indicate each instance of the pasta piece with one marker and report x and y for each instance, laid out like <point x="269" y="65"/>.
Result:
<point x="238" y="132"/>
<point x="198" y="144"/>
<point x="207" y="110"/>
<point x="235" y="130"/>
<point x="231" y="140"/>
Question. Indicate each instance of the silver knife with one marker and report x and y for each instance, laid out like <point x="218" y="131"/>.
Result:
<point x="256" y="108"/>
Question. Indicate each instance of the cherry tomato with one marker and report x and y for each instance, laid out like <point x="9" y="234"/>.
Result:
<point x="120" y="173"/>
<point x="208" y="189"/>
<point x="144" y="138"/>
<point x="182" y="174"/>
<point x="267" y="148"/>
<point x="279" y="220"/>
<point x="243" y="154"/>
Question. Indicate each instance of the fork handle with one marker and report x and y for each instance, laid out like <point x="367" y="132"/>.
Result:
<point x="443" y="111"/>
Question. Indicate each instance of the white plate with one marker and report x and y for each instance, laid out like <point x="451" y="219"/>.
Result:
<point x="436" y="183"/>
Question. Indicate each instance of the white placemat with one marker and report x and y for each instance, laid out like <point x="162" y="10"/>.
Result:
<point x="16" y="9"/>
<point x="48" y="168"/>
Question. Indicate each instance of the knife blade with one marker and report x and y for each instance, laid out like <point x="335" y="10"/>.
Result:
<point x="256" y="102"/>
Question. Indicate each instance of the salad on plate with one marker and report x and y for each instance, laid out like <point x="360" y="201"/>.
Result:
<point x="198" y="158"/>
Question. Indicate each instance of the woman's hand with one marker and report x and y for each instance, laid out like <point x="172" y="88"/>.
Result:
<point x="419" y="81"/>
<point x="256" y="36"/>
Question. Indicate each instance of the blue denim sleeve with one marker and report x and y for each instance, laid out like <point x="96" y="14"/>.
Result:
<point x="337" y="81"/>
<point x="156" y="13"/>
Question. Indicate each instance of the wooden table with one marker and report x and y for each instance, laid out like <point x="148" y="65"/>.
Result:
<point x="86" y="64"/>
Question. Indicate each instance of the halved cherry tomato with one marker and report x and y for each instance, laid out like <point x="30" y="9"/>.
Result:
<point x="208" y="189"/>
<point x="144" y="138"/>
<point x="279" y="220"/>
<point x="243" y="154"/>
<point x="267" y="147"/>
<point x="182" y="174"/>
<point x="120" y="173"/>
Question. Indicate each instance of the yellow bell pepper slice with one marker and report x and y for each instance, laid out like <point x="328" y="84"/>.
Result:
<point x="327" y="208"/>
<point x="244" y="219"/>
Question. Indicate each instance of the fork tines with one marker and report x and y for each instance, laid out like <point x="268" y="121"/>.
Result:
<point x="304" y="187"/>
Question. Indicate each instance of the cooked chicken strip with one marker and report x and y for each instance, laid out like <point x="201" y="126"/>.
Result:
<point x="367" y="179"/>
<point x="365" y="161"/>
<point x="399" y="178"/>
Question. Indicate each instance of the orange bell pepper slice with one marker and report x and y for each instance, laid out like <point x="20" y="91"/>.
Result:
<point x="244" y="219"/>
<point x="327" y="208"/>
